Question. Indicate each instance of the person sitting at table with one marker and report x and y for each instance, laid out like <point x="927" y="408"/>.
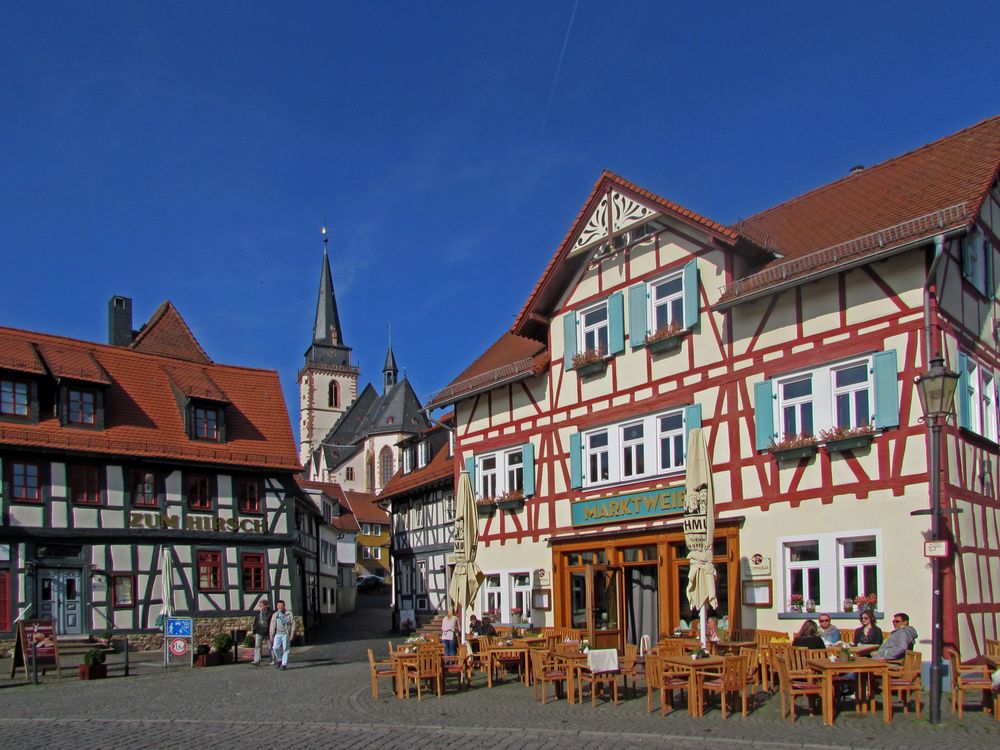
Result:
<point x="474" y="626"/>
<point x="808" y="636"/>
<point x="486" y="627"/>
<point x="869" y="634"/>
<point x="899" y="641"/>
<point x="712" y="629"/>
<point x="829" y="632"/>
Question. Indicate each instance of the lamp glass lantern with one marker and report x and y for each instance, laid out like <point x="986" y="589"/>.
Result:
<point x="936" y="389"/>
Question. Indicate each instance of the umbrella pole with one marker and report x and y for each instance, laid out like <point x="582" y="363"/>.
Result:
<point x="704" y="626"/>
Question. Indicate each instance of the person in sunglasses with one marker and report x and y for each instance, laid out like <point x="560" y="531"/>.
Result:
<point x="829" y="632"/>
<point x="900" y="640"/>
<point x="869" y="634"/>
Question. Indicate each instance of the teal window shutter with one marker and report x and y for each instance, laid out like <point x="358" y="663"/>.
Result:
<point x="988" y="260"/>
<point x="528" y="465"/>
<point x="616" y="323"/>
<point x="964" y="404"/>
<point x="692" y="417"/>
<point x="690" y="294"/>
<point x="569" y="339"/>
<point x="637" y="305"/>
<point x="763" y="405"/>
<point x="886" y="391"/>
<point x="470" y="466"/>
<point x="576" y="461"/>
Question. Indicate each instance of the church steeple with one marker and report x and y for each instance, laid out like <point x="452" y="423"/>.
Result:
<point x="390" y="372"/>
<point x="327" y="341"/>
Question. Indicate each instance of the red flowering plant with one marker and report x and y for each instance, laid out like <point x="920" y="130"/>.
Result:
<point x="588" y="357"/>
<point x="790" y="441"/>
<point x="867" y="601"/>
<point x="664" y="332"/>
<point x="844" y="433"/>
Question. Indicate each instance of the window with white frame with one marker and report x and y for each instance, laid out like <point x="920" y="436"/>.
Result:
<point x="852" y="402"/>
<point x="403" y="573"/>
<point x="594" y="329"/>
<point x="521" y="594"/>
<point x="492" y="595"/>
<point x="376" y="529"/>
<point x="407" y="459"/>
<point x="976" y="257"/>
<point x="977" y="398"/>
<point x="643" y="447"/>
<point x="449" y="506"/>
<point x="423" y="454"/>
<point x="666" y="300"/>
<point x="366" y="553"/>
<point x="366" y="529"/>
<point x="830" y="569"/>
<point x="795" y="396"/>
<point x="500" y="473"/>
<point x="838" y="395"/>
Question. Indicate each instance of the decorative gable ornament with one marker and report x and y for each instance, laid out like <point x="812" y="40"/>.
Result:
<point x="625" y="213"/>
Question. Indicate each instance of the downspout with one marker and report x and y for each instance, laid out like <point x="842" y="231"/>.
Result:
<point x="929" y="348"/>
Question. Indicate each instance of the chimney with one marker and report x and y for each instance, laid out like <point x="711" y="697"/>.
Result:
<point x="857" y="168"/>
<point x="119" y="321"/>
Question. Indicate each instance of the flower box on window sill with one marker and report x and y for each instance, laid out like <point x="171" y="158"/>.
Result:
<point x="665" y="339"/>
<point x="849" y="444"/>
<point x="485" y="507"/>
<point x="590" y="362"/>
<point x="592" y="368"/>
<point x="793" y="454"/>
<point x="511" y="501"/>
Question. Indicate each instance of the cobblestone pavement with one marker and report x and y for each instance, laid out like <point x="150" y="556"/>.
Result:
<point x="324" y="700"/>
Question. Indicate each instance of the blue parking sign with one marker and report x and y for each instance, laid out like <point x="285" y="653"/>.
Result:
<point x="180" y="627"/>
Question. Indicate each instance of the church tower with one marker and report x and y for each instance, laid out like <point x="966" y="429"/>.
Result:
<point x="328" y="383"/>
<point x="390" y="373"/>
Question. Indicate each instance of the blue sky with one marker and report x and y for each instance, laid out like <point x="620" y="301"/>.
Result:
<point x="192" y="151"/>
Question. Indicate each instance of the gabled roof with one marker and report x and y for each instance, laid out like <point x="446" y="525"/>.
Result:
<point x="365" y="508"/>
<point x="931" y="190"/>
<point x="166" y="333"/>
<point x="142" y="416"/>
<point x="439" y="470"/>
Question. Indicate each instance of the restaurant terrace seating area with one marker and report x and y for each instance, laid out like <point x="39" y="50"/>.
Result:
<point x="728" y="677"/>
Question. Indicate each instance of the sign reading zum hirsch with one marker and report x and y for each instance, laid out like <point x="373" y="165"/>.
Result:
<point x="665" y="502"/>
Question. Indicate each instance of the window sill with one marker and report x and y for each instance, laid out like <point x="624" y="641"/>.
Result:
<point x="853" y="616"/>
<point x="668" y="344"/>
<point x="793" y="454"/>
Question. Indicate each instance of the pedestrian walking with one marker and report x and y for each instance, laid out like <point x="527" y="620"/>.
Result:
<point x="282" y="630"/>
<point x="262" y="630"/>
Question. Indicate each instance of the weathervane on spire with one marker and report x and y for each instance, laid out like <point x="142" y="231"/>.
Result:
<point x="326" y="239"/>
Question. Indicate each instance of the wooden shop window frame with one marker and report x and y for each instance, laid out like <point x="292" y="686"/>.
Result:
<point x="758" y="593"/>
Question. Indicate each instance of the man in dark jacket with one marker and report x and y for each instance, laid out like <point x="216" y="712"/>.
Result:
<point x="899" y="641"/>
<point x="261" y="629"/>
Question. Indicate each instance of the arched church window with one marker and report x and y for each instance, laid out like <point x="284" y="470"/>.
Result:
<point x="385" y="466"/>
<point x="333" y="394"/>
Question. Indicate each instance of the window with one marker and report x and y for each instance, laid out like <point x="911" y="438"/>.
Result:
<point x="366" y="553"/>
<point x="521" y="593"/>
<point x="84" y="484"/>
<point x="449" y="506"/>
<point x="209" y="571"/>
<point x="417" y="515"/>
<point x="4" y="601"/>
<point x="976" y="397"/>
<point x="199" y="491"/>
<point x="376" y="530"/>
<point x="14" y="398"/>
<point x="376" y="553"/>
<point x="252" y="571"/>
<point x="977" y="259"/>
<point x="349" y="474"/>
<point x="666" y="299"/>
<point x="423" y="454"/>
<point x="855" y="394"/>
<point x="648" y="446"/>
<point x="366" y="529"/>
<point x="831" y="568"/>
<point x="206" y="423"/>
<point x="408" y="459"/>
<point x="505" y="472"/>
<point x="82" y="406"/>
<point x="142" y="488"/>
<point x="25" y="482"/>
<point x="670" y="302"/>
<point x="333" y="394"/>
<point x="122" y="591"/>
<point x="594" y="329"/>
<point x="248" y="495"/>
<point x="385" y="466"/>
<point x="492" y="600"/>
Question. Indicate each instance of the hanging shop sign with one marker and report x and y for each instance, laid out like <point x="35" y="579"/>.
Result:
<point x="632" y="507"/>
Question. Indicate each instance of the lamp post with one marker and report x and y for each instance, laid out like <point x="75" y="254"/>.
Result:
<point x="936" y="389"/>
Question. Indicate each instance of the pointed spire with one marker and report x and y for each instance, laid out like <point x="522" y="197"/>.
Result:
<point x="390" y="372"/>
<point x="327" y="327"/>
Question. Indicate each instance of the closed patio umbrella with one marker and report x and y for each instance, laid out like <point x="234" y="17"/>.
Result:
<point x="467" y="577"/>
<point x="699" y="528"/>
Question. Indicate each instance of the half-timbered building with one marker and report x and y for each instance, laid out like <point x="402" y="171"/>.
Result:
<point x="140" y="477"/>
<point x="793" y="338"/>
<point x="420" y="500"/>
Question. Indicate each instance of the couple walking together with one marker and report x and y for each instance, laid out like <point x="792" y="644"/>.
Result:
<point x="277" y="627"/>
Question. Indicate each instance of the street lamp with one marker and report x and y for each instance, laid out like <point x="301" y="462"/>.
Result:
<point x="936" y="389"/>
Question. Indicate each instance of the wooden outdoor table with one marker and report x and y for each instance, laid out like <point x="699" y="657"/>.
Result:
<point x="733" y="646"/>
<point x="495" y="654"/>
<point x="860" y="666"/>
<point x="399" y="660"/>
<point x="692" y="666"/>
<point x="572" y="661"/>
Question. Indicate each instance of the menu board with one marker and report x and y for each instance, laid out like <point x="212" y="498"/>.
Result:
<point x="41" y="634"/>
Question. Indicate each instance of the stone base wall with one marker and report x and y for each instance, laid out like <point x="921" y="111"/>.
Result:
<point x="7" y="648"/>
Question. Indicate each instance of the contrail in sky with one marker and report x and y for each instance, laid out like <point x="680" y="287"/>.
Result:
<point x="555" y="79"/>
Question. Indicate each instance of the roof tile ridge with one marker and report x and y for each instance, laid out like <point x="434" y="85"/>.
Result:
<point x="869" y="170"/>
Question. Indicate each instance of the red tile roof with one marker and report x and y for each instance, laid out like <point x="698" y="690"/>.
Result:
<point x="365" y="507"/>
<point x="511" y="357"/>
<point x="441" y="468"/>
<point x="19" y="355"/>
<point x="74" y="364"/>
<point x="143" y="417"/>
<point x="166" y="333"/>
<point x="933" y="189"/>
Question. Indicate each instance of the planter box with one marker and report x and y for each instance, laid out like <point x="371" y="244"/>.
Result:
<point x="594" y="368"/>
<point x="511" y="504"/>
<point x="792" y="454"/>
<point x="245" y="653"/>
<point x="95" y="672"/>
<point x="485" y="509"/>
<point x="212" y="659"/>
<point x="668" y="344"/>
<point x="850" y="443"/>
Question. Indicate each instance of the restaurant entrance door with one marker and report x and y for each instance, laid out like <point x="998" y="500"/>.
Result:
<point x="595" y="593"/>
<point x="60" y="599"/>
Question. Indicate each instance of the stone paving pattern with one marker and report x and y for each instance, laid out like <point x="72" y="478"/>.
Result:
<point x="323" y="700"/>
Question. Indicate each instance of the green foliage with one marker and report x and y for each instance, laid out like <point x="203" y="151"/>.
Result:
<point x="93" y="657"/>
<point x="202" y="649"/>
<point x="222" y="642"/>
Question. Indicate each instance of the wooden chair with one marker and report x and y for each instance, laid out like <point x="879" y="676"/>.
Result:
<point x="457" y="666"/>
<point x="628" y="667"/>
<point x="992" y="647"/>
<point x="427" y="666"/>
<point x="751" y="675"/>
<point x="965" y="677"/>
<point x="504" y="631"/>
<point x="383" y="668"/>
<point x="792" y="687"/>
<point x="544" y="670"/>
<point x="671" y="648"/>
<point x="743" y="634"/>
<point x="907" y="681"/>
<point x="594" y="679"/>
<point x="727" y="681"/>
<point x="776" y="650"/>
<point x="503" y="659"/>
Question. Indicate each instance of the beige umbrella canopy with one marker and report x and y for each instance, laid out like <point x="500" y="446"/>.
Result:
<point x="699" y="527"/>
<point x="466" y="578"/>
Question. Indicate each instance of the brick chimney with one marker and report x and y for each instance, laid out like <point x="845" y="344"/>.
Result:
<point x="120" y="321"/>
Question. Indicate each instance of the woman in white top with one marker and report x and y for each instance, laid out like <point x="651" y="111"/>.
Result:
<point x="449" y="633"/>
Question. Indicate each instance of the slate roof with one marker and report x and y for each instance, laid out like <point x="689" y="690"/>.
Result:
<point x="143" y="417"/>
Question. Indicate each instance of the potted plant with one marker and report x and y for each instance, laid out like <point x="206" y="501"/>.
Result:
<point x="866" y="601"/>
<point x="516" y="614"/>
<point x="510" y="500"/>
<point x="665" y="338"/>
<point x="93" y="667"/>
<point x="792" y="447"/>
<point x="795" y="602"/>
<point x="485" y="506"/>
<point x="244" y="651"/>
<point x="848" y="605"/>
<point x="203" y="657"/>
<point x="847" y="438"/>
<point x="590" y="362"/>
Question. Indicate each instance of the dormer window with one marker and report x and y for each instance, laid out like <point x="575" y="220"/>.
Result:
<point x="15" y="398"/>
<point x="206" y="421"/>
<point x="423" y="454"/>
<point x="81" y="406"/>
